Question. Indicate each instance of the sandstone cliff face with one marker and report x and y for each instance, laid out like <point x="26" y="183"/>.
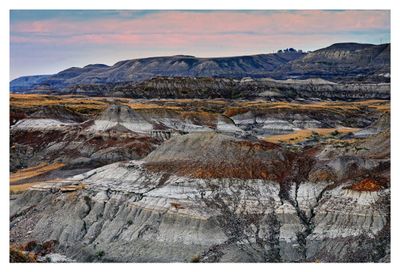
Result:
<point x="305" y="207"/>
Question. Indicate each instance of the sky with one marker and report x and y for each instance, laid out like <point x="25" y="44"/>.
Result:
<point x="48" y="41"/>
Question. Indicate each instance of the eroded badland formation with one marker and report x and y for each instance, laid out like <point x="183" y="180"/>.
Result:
<point x="270" y="158"/>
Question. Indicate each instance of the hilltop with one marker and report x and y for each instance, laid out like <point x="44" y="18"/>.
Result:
<point x="342" y="62"/>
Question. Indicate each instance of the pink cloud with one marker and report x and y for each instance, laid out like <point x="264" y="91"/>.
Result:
<point x="223" y="21"/>
<point x="64" y="42"/>
<point x="185" y="29"/>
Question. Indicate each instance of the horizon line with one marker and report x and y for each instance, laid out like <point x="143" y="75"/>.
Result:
<point x="193" y="56"/>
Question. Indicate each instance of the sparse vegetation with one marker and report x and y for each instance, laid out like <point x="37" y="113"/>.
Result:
<point x="176" y="205"/>
<point x="253" y="231"/>
<point x="29" y="252"/>
<point x="195" y="259"/>
<point x="100" y="254"/>
<point x="19" y="256"/>
<point x="366" y="185"/>
<point x="335" y="133"/>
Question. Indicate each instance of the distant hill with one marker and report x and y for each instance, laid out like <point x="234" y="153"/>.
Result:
<point x="26" y="82"/>
<point x="342" y="60"/>
<point x="338" y="62"/>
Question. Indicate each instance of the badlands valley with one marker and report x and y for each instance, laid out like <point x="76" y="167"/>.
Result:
<point x="280" y="157"/>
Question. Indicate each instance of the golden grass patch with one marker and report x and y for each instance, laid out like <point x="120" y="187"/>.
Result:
<point x="232" y="111"/>
<point x="34" y="171"/>
<point x="71" y="189"/>
<point x="321" y="105"/>
<point x="379" y="105"/>
<point x="193" y="100"/>
<point x="20" y="188"/>
<point x="301" y="135"/>
<point x="138" y="106"/>
<point x="75" y="103"/>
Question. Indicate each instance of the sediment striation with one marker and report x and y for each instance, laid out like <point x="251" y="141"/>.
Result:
<point x="185" y="202"/>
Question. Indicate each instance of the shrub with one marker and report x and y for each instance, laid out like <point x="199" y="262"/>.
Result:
<point x="176" y="205"/>
<point x="335" y="133"/>
<point x="19" y="256"/>
<point x="314" y="137"/>
<point x="314" y="133"/>
<point x="195" y="259"/>
<point x="100" y="254"/>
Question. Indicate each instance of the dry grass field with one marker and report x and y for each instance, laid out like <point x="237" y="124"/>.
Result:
<point x="139" y="106"/>
<point x="301" y="135"/>
<point x="338" y="107"/>
<point x="34" y="171"/>
<point x="20" y="188"/>
<point x="75" y="103"/>
<point x="83" y="104"/>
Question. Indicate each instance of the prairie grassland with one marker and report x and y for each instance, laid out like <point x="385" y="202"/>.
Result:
<point x="34" y="171"/>
<point x="75" y="103"/>
<point x="188" y="100"/>
<point x="301" y="135"/>
<point x="232" y="111"/>
<point x="139" y="106"/>
<point x="84" y="104"/>
<point x="319" y="104"/>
